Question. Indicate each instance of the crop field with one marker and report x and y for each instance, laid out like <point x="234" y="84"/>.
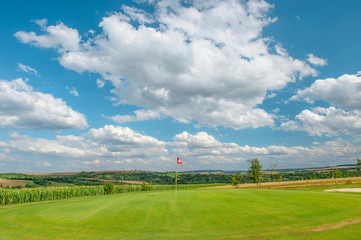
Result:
<point x="193" y="214"/>
<point x="11" y="183"/>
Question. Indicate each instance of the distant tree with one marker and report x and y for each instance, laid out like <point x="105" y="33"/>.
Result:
<point x="236" y="179"/>
<point x="255" y="171"/>
<point x="358" y="167"/>
<point x="145" y="186"/>
<point x="336" y="174"/>
<point x="273" y="168"/>
<point x="108" y="188"/>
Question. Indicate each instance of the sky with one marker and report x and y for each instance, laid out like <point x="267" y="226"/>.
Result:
<point x="132" y="85"/>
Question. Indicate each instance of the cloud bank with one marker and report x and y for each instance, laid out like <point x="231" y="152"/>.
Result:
<point x="115" y="147"/>
<point x="205" y="63"/>
<point x="23" y="108"/>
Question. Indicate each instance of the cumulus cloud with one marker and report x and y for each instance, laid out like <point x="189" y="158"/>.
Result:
<point x="107" y="145"/>
<point x="40" y="147"/>
<point x="22" y="107"/>
<point x="123" y="141"/>
<point x="114" y="146"/>
<point x="57" y="36"/>
<point x="325" y="121"/>
<point x="316" y="60"/>
<point x="109" y="141"/>
<point x="344" y="91"/>
<point x="203" y="146"/>
<point x="203" y="150"/>
<point x="344" y="115"/>
<point x="140" y="115"/>
<point x="206" y="62"/>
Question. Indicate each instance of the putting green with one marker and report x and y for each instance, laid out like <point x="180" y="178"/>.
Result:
<point x="193" y="214"/>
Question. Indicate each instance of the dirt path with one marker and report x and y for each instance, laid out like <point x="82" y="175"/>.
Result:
<point x="301" y="183"/>
<point x="344" y="190"/>
<point x="332" y="226"/>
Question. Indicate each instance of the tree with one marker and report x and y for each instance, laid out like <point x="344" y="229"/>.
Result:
<point x="336" y="174"/>
<point x="358" y="167"/>
<point x="273" y="168"/>
<point x="145" y="187"/>
<point x="236" y="179"/>
<point x="255" y="171"/>
<point x="108" y="188"/>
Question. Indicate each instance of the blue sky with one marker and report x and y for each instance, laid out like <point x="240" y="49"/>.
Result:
<point x="124" y="85"/>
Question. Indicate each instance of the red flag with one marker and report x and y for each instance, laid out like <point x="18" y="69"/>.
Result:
<point x="179" y="161"/>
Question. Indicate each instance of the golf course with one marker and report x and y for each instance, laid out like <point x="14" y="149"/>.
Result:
<point x="192" y="214"/>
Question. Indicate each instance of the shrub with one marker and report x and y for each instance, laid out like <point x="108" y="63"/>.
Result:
<point x="108" y="188"/>
<point x="236" y="179"/>
<point x="145" y="186"/>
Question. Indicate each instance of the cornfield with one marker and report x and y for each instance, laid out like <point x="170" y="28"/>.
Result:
<point x="26" y="195"/>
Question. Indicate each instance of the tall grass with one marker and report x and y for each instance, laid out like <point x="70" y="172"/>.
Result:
<point x="25" y="195"/>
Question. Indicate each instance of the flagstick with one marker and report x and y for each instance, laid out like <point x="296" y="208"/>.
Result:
<point x="176" y="180"/>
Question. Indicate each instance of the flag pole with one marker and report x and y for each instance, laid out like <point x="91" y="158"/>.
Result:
<point x="176" y="175"/>
<point x="176" y="180"/>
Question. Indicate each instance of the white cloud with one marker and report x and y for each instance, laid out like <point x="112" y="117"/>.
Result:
<point x="203" y="150"/>
<point x="137" y="15"/>
<point x="344" y="91"/>
<point x="74" y="92"/>
<point x="200" y="140"/>
<point x="140" y="115"/>
<point x="325" y="121"/>
<point x="108" y="146"/>
<point x="27" y="69"/>
<point x="316" y="60"/>
<point x="114" y="146"/>
<point x="100" y="83"/>
<point x="29" y="146"/>
<point x="207" y="63"/>
<point x="21" y="107"/>
<point x="123" y="139"/>
<point x="43" y="164"/>
<point x="58" y="36"/>
<point x="95" y="162"/>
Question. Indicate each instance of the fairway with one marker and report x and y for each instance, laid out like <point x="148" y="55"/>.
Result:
<point x="193" y="214"/>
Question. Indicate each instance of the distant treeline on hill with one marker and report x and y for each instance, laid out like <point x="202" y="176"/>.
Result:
<point x="168" y="178"/>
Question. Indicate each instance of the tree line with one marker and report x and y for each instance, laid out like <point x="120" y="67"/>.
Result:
<point x="255" y="174"/>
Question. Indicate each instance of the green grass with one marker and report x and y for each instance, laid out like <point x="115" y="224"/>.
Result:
<point x="193" y="214"/>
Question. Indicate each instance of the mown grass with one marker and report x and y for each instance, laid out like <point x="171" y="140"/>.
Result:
<point x="193" y="214"/>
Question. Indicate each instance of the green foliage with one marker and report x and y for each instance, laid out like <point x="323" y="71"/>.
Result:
<point x="108" y="188"/>
<point x="236" y="179"/>
<point x="145" y="186"/>
<point x="336" y="173"/>
<point x="11" y="196"/>
<point x="358" y="167"/>
<point x="41" y="181"/>
<point x="273" y="168"/>
<point x="255" y="170"/>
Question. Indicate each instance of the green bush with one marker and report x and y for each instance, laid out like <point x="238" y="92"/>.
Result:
<point x="108" y="188"/>
<point x="145" y="186"/>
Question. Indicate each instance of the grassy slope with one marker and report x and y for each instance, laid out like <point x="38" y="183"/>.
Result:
<point x="194" y="214"/>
